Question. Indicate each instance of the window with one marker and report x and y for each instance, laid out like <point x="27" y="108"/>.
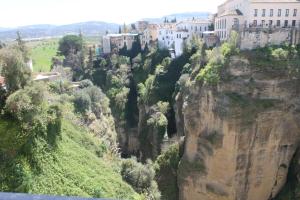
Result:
<point x="271" y="12"/>
<point x="287" y="12"/>
<point x="263" y="22"/>
<point x="270" y="22"/>
<point x="286" y="23"/>
<point x="255" y="22"/>
<point x="278" y="23"/>
<point x="279" y="12"/>
<point x="205" y="28"/>
<point x="295" y="13"/>
<point x="255" y="12"/>
<point x="294" y="23"/>
<point x="200" y="28"/>
<point x="263" y="13"/>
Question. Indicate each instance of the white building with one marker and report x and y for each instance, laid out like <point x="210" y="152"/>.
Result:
<point x="115" y="42"/>
<point x="165" y="36"/>
<point x="173" y="36"/>
<point x="195" y="26"/>
<point x="181" y="37"/>
<point x="256" y="13"/>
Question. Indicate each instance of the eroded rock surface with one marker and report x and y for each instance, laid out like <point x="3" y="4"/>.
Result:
<point x="241" y="135"/>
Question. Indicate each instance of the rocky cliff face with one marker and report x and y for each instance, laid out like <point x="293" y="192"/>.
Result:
<point x="241" y="135"/>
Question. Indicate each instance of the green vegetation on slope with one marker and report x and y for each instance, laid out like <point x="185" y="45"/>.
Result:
<point x="74" y="168"/>
<point x="42" y="53"/>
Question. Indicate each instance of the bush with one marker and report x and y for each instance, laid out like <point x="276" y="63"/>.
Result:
<point x="210" y="74"/>
<point x="280" y="54"/>
<point x="14" y="69"/>
<point x="85" y="83"/>
<point x="166" y="166"/>
<point x="25" y="104"/>
<point x="140" y="177"/>
<point x="82" y="102"/>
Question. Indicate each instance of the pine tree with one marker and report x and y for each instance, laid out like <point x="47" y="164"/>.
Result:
<point x="22" y="47"/>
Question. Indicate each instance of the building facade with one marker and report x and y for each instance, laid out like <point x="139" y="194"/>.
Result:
<point x="256" y="13"/>
<point x="173" y="36"/>
<point x="166" y="37"/>
<point x="195" y="26"/>
<point x="115" y="42"/>
<point x="149" y="35"/>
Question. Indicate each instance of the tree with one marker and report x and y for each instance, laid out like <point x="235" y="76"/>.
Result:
<point x="120" y="30"/>
<point x="14" y="69"/>
<point x="124" y="51"/>
<point x="25" y="104"/>
<point x="136" y="48"/>
<point x="22" y="47"/>
<point x="70" y="44"/>
<point x="82" y="102"/>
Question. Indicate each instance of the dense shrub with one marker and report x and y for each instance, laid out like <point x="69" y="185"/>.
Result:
<point x="14" y="69"/>
<point x="280" y="54"/>
<point x="82" y="102"/>
<point x="26" y="105"/>
<point x="140" y="177"/>
<point x="166" y="166"/>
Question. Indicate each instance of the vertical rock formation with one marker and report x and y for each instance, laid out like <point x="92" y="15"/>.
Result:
<point x="240" y="135"/>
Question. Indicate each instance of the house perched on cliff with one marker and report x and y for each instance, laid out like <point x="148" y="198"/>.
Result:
<point x="259" y="22"/>
<point x="115" y="42"/>
<point x="149" y="35"/>
<point x="174" y="35"/>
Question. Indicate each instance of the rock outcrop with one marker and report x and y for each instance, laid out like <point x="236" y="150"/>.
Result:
<point x="241" y="135"/>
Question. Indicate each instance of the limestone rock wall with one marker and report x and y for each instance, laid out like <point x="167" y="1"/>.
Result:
<point x="240" y="136"/>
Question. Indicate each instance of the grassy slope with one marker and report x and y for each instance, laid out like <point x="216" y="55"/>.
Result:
<point x="72" y="169"/>
<point x="42" y="53"/>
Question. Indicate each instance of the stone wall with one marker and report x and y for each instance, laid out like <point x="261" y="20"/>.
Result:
<point x="251" y="38"/>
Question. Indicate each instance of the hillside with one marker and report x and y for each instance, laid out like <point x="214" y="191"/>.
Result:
<point x="93" y="28"/>
<point x="75" y="168"/>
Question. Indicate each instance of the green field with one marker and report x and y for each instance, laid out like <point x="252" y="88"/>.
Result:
<point x="42" y="53"/>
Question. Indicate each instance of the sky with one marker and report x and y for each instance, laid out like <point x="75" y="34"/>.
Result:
<point x="28" y="12"/>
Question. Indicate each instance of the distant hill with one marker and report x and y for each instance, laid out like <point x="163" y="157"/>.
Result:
<point x="180" y="16"/>
<point x="92" y="28"/>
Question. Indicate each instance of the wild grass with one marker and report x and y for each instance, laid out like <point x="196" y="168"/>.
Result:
<point x="75" y="168"/>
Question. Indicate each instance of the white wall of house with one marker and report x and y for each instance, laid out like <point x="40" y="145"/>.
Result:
<point x="166" y="38"/>
<point x="196" y="27"/>
<point x="180" y="38"/>
<point x="106" y="44"/>
<point x="257" y="13"/>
